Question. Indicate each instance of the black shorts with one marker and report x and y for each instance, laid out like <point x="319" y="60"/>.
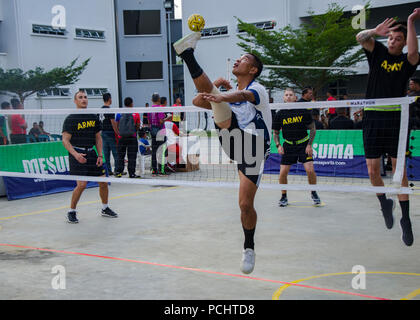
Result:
<point x="89" y="168"/>
<point x="381" y="131"/>
<point x="248" y="150"/>
<point x="294" y="153"/>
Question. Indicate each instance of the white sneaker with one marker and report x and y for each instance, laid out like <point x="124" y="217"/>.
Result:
<point x="189" y="41"/>
<point x="248" y="261"/>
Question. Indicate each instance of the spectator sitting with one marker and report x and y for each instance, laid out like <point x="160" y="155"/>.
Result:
<point x="144" y="145"/>
<point x="35" y="131"/>
<point x="315" y="116"/>
<point x="41" y="128"/>
<point x="358" y="120"/>
<point x="341" y="121"/>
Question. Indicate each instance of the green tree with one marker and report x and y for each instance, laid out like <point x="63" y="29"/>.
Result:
<point x="24" y="84"/>
<point x="324" y="40"/>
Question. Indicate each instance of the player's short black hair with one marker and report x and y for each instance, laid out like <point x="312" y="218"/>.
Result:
<point x="258" y="64"/>
<point x="106" y="97"/>
<point x="306" y="90"/>
<point x="402" y="27"/>
<point x="5" y="105"/>
<point x="155" y="97"/>
<point x="15" y="103"/>
<point x="128" y="101"/>
<point x="163" y="100"/>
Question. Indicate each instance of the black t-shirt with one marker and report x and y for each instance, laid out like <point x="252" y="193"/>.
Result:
<point x="293" y="123"/>
<point x="106" y="120"/>
<point x="341" y="122"/>
<point x="83" y="129"/>
<point x="388" y="74"/>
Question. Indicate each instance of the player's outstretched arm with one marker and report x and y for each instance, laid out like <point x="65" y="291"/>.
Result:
<point x="367" y="37"/>
<point x="230" y="97"/>
<point x="412" y="42"/>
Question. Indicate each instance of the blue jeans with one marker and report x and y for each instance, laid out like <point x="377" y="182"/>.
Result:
<point x="109" y="145"/>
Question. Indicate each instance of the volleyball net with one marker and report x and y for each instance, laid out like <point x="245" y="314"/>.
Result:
<point x="190" y="154"/>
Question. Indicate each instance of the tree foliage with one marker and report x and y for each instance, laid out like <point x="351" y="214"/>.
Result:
<point x="326" y="40"/>
<point x="25" y="83"/>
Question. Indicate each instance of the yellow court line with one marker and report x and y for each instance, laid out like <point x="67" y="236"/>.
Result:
<point x="279" y="291"/>
<point x="83" y="204"/>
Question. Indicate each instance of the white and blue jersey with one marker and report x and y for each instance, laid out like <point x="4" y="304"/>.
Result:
<point x="249" y="115"/>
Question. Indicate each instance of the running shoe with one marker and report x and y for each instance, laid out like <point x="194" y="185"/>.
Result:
<point x="189" y="41"/>
<point x="283" y="202"/>
<point x="387" y="212"/>
<point x="109" y="213"/>
<point x="118" y="174"/>
<point x="134" y="176"/>
<point x="72" y="217"/>
<point x="407" y="233"/>
<point x="248" y="261"/>
<point x="316" y="199"/>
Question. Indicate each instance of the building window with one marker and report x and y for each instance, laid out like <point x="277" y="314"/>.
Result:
<point x="142" y="22"/>
<point x="150" y="70"/>
<point x="54" y="92"/>
<point x="94" y="92"/>
<point x="216" y="31"/>
<point x="264" y="25"/>
<point x="48" y="30"/>
<point x="90" y="34"/>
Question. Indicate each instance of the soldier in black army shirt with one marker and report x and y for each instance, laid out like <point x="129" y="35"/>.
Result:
<point x="82" y="132"/>
<point x="389" y="71"/>
<point x="294" y="125"/>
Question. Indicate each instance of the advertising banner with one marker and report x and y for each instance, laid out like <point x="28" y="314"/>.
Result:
<point x="337" y="153"/>
<point x="35" y="158"/>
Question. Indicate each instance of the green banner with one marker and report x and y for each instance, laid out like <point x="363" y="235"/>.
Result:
<point x="352" y="140"/>
<point x="42" y="157"/>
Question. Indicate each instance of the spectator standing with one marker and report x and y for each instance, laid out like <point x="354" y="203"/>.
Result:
<point x="17" y="124"/>
<point x="156" y="120"/>
<point x="128" y="125"/>
<point x="3" y="124"/>
<point x="109" y="134"/>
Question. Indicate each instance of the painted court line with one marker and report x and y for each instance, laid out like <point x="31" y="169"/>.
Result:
<point x="192" y="269"/>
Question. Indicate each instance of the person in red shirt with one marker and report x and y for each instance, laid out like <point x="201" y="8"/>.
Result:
<point x="331" y="111"/>
<point x="17" y="124"/>
<point x="127" y="143"/>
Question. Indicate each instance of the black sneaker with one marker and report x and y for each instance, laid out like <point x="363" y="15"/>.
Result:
<point x="72" y="217"/>
<point x="387" y="212"/>
<point x="316" y="199"/>
<point x="109" y="213"/>
<point x="283" y="202"/>
<point x="134" y="176"/>
<point x="118" y="174"/>
<point x="407" y="233"/>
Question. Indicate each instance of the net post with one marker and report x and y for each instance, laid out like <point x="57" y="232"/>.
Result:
<point x="402" y="144"/>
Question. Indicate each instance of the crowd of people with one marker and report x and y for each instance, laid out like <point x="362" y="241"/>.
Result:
<point x="127" y="135"/>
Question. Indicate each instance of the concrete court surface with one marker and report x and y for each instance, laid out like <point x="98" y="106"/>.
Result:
<point x="185" y="244"/>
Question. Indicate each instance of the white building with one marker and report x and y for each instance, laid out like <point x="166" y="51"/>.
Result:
<point x="51" y="33"/>
<point x="219" y="42"/>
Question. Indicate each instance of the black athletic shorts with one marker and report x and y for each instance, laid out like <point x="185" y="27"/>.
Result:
<point x="86" y="169"/>
<point x="294" y="153"/>
<point x="381" y="131"/>
<point x="248" y="150"/>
